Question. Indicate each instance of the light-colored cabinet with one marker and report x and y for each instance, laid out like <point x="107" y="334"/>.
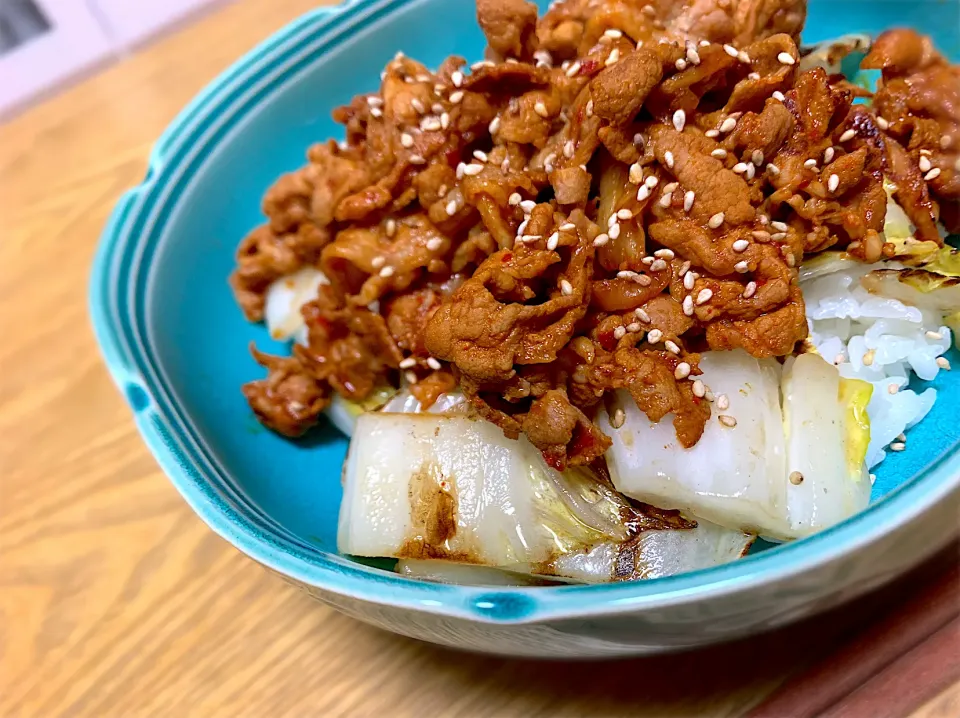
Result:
<point x="46" y="43"/>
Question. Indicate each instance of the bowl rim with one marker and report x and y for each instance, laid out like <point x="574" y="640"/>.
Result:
<point x="166" y="432"/>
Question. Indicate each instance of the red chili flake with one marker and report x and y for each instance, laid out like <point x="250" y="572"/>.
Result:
<point x="506" y="257"/>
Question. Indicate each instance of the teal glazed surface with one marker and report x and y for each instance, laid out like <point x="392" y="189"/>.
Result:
<point x="176" y="344"/>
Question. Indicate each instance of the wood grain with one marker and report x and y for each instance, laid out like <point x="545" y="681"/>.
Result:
<point x="115" y="600"/>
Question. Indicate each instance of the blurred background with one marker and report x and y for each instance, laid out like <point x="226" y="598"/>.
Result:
<point x="45" y="44"/>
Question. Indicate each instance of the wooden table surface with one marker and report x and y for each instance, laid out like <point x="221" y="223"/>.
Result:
<point x="115" y="600"/>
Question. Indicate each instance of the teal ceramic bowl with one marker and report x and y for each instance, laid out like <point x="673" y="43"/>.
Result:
<point x="176" y="345"/>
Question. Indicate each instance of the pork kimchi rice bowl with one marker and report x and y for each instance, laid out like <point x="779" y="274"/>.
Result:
<point x="647" y="283"/>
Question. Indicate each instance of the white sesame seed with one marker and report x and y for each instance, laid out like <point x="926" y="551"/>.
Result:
<point x="528" y="205"/>
<point x="704" y="43"/>
<point x="407" y="363"/>
<point x="541" y="109"/>
<point x="648" y="260"/>
<point x="777" y="95"/>
<point x="648" y="10"/>
<point x="417" y="160"/>
<point x="566" y="288"/>
<point x="693" y="57"/>
<point x="612" y="58"/>
<point x="430" y="124"/>
<point x="553" y="241"/>
<point x="754" y="76"/>
<point x="740" y="245"/>
<point x="505" y="165"/>
<point x="688" y="198"/>
<point x="728" y="124"/>
<point x="668" y="158"/>
<point x="612" y="219"/>
<point x="481" y="155"/>
<point x="897" y="446"/>
<point x="666" y="199"/>
<point x="689" y="279"/>
<point x="684" y="268"/>
<point x="723" y="402"/>
<point x="727" y="421"/>
<point x="740" y="168"/>
<point x="618" y="417"/>
<point x="434" y="243"/>
<point x="433" y="363"/>
<point x="634" y="327"/>
<point x="682" y="371"/>
<point x="567" y="227"/>
<point x="418" y="105"/>
<point x="848" y="135"/>
<point x="750" y="290"/>
<point x="704" y="296"/>
<point x="619" y="332"/>
<point x="471" y="170"/>
<point x="943" y="363"/>
<point x="751" y="171"/>
<point x="688" y="305"/>
<point x="643" y="193"/>
<point x="699" y="390"/>
<point x="778" y="236"/>
<point x="773" y="169"/>
<point x="779" y="226"/>
<point x="451" y="207"/>
<point x="614" y="231"/>
<point x="635" y="173"/>
<point x="573" y="69"/>
<point x="664" y="254"/>
<point x="411" y="377"/>
<point x="390" y="226"/>
<point x="719" y="153"/>
<point x="882" y="123"/>
<point x="642" y="314"/>
<point x="494" y="125"/>
<point x="657" y="265"/>
<point x="742" y="267"/>
<point x="531" y="238"/>
<point x="651" y="181"/>
<point x="376" y="112"/>
<point x="924" y="164"/>
<point x="569" y="148"/>
<point x="786" y="58"/>
<point x="626" y="274"/>
<point x="589" y="108"/>
<point x="378" y="262"/>
<point x="833" y="183"/>
<point x="730" y="50"/>
<point x="514" y="199"/>
<point x="790" y="260"/>
<point x="456" y="78"/>
<point x="624" y="214"/>
<point x="436" y="108"/>
<point x="757" y="157"/>
<point x="679" y="120"/>
<point x="716" y="220"/>
<point x="387" y="272"/>
<point x="932" y="174"/>
<point x="456" y="97"/>
<point x="828" y="155"/>
<point x="671" y="186"/>
<point x="945" y="142"/>
<point x="680" y="64"/>
<point x="654" y="336"/>
<point x="600" y="240"/>
<point x="712" y="133"/>
<point x="810" y="164"/>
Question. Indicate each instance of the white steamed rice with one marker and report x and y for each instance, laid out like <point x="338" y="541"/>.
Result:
<point x="878" y="340"/>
